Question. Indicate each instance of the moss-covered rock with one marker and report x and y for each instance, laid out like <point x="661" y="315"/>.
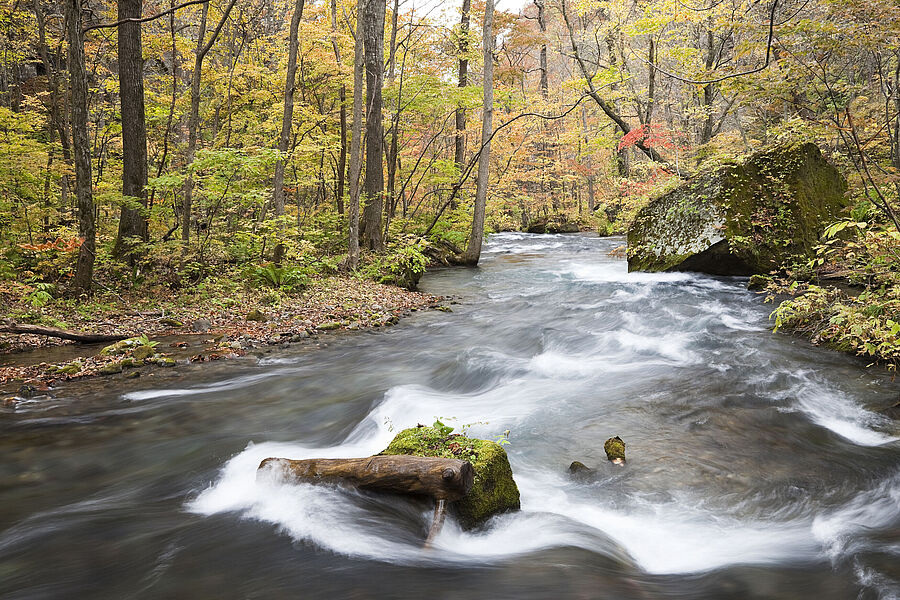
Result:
<point x="615" y="449"/>
<point x="745" y="217"/>
<point x="495" y="490"/>
<point x="110" y="368"/>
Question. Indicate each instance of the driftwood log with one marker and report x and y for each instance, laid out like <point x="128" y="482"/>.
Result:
<point x="9" y="326"/>
<point x="440" y="478"/>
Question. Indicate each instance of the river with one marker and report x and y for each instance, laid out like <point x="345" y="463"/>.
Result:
<point x="758" y="466"/>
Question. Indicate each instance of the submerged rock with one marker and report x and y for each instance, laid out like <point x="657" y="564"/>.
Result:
<point x="615" y="450"/>
<point x="579" y="469"/>
<point x="744" y="218"/>
<point x="494" y="491"/>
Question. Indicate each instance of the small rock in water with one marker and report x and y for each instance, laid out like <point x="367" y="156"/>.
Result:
<point x="27" y="391"/>
<point x="579" y="469"/>
<point x="615" y="450"/>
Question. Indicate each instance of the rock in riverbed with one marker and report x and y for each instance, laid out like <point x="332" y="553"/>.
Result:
<point x="743" y="218"/>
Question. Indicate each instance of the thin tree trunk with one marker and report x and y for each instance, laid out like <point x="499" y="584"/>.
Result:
<point x="392" y="56"/>
<point x="342" y="159"/>
<point x="356" y="141"/>
<point x="542" y="23"/>
<point x="460" y="154"/>
<point x="133" y="219"/>
<point x="473" y="250"/>
<point x="84" y="270"/>
<point x="194" y="119"/>
<point x="373" y="38"/>
<point x="288" y="115"/>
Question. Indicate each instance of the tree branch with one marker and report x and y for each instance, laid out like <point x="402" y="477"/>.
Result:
<point x="143" y="19"/>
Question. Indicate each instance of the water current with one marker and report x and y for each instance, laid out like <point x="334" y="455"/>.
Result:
<point x="758" y="464"/>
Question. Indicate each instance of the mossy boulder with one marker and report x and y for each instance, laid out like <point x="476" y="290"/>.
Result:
<point x="745" y="217"/>
<point x="495" y="490"/>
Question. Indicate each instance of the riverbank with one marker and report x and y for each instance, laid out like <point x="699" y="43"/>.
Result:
<point x="204" y="325"/>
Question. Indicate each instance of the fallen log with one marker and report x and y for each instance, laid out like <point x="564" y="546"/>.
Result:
<point x="9" y="326"/>
<point x="440" y="478"/>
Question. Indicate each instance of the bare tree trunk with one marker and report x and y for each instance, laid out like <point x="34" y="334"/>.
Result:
<point x="542" y="23"/>
<point x="342" y="159"/>
<point x="84" y="270"/>
<point x="194" y="119"/>
<point x="373" y="39"/>
<point x="459" y="156"/>
<point x="56" y="99"/>
<point x="709" y="91"/>
<point x="392" y="56"/>
<point x="288" y="115"/>
<point x="356" y="141"/>
<point x="588" y="162"/>
<point x="133" y="219"/>
<point x="651" y="85"/>
<point x="473" y="250"/>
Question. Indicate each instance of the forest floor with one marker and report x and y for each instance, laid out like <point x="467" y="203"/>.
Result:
<point x="186" y="328"/>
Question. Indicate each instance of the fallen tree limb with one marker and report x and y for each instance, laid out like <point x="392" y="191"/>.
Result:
<point x="9" y="326"/>
<point x="440" y="478"/>
<point x="437" y="523"/>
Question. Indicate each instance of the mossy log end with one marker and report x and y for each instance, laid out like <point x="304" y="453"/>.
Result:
<point x="439" y="478"/>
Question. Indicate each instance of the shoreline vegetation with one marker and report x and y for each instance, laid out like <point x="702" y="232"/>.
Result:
<point x="190" y="329"/>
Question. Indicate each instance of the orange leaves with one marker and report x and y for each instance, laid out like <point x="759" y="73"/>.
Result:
<point x="61" y="244"/>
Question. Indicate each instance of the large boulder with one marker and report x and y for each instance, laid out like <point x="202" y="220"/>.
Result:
<point x="494" y="490"/>
<point x="743" y="218"/>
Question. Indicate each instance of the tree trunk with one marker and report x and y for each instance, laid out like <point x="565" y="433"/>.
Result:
<point x="133" y="219"/>
<point x="356" y="141"/>
<point x="440" y="478"/>
<point x="194" y="119"/>
<point x="84" y="270"/>
<point x="342" y="159"/>
<point x="542" y="23"/>
<point x="373" y="188"/>
<point x="288" y="115"/>
<point x="392" y="56"/>
<point x="473" y="250"/>
<point x="460" y="154"/>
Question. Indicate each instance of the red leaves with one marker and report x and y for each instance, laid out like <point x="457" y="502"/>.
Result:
<point x="652" y="136"/>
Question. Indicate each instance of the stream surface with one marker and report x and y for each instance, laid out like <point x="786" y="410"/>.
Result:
<point x="758" y="467"/>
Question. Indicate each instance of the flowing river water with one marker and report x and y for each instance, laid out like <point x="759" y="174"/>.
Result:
<point x="758" y="465"/>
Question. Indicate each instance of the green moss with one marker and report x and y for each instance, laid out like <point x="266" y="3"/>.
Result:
<point x="494" y="491"/>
